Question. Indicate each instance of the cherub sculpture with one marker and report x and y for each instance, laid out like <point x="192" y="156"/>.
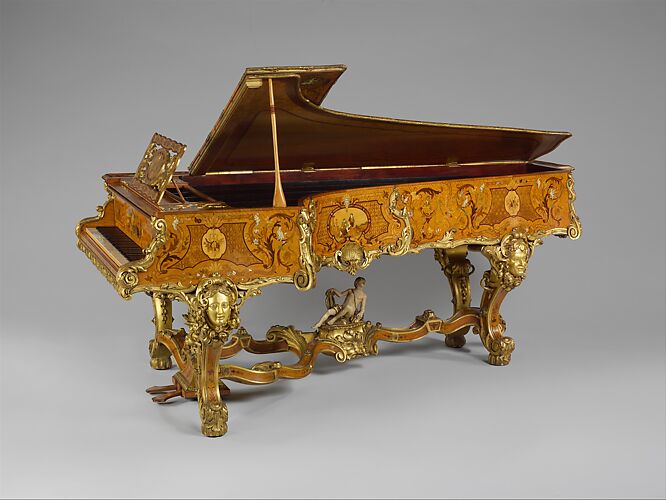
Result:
<point x="352" y="308"/>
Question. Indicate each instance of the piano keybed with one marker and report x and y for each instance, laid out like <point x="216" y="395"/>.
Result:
<point x="116" y="244"/>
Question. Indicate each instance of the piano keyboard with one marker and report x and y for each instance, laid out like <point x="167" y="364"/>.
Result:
<point x="116" y="244"/>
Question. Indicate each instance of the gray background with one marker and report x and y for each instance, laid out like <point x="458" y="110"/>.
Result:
<point x="578" y="413"/>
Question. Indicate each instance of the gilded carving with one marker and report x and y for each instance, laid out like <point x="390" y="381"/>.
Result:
<point x="352" y="257"/>
<point x="213" y="312"/>
<point x="508" y="260"/>
<point x="127" y="277"/>
<point x="214" y="416"/>
<point x="574" y="230"/>
<point x="305" y="277"/>
<point x="157" y="167"/>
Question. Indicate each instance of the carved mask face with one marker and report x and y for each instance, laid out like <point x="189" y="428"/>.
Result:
<point x="218" y="310"/>
<point x="518" y="259"/>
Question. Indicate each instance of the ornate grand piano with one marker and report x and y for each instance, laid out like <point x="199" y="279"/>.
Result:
<point x="282" y="187"/>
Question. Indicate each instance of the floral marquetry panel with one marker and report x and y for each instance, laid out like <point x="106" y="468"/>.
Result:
<point x="241" y="244"/>
<point x="132" y="222"/>
<point x="486" y="208"/>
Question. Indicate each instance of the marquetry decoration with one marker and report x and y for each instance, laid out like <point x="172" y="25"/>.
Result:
<point x="157" y="167"/>
<point x="364" y="229"/>
<point x="241" y="245"/>
<point x="131" y="221"/>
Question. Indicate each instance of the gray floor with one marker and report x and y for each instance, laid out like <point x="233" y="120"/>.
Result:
<point x="580" y="411"/>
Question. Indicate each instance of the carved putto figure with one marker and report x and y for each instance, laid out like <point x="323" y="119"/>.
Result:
<point x="352" y="308"/>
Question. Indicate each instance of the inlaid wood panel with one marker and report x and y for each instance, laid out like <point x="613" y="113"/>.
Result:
<point x="240" y="244"/>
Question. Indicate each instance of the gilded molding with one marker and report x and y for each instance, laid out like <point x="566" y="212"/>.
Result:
<point x="575" y="229"/>
<point x="127" y="277"/>
<point x="306" y="277"/>
<point x="101" y="268"/>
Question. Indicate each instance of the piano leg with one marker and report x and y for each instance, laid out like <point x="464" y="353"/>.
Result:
<point x="212" y="410"/>
<point x="160" y="356"/>
<point x="457" y="269"/>
<point x="508" y="266"/>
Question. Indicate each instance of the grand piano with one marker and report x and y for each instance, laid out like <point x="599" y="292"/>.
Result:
<point x="282" y="187"/>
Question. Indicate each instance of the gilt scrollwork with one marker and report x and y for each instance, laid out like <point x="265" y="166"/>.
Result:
<point x="214" y="416"/>
<point x="574" y="230"/>
<point x="352" y="257"/>
<point x="127" y="277"/>
<point x="157" y="167"/>
<point x="213" y="313"/>
<point x="508" y="260"/>
<point x="305" y="277"/>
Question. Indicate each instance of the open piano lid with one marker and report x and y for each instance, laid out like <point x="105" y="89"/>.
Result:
<point x="310" y="136"/>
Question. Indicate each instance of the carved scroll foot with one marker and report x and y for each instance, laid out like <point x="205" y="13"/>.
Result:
<point x="500" y="351"/>
<point x="457" y="269"/>
<point x="160" y="356"/>
<point x="214" y="416"/>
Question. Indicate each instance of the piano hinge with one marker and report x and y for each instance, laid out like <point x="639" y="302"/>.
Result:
<point x="308" y="167"/>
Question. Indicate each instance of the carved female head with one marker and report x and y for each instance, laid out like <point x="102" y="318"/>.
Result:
<point x="517" y="251"/>
<point x="217" y="297"/>
<point x="218" y="310"/>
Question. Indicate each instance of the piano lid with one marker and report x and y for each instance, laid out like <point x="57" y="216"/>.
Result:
<point x="310" y="136"/>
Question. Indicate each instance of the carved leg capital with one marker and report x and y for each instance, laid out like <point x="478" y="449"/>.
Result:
<point x="457" y="269"/>
<point x="508" y="267"/>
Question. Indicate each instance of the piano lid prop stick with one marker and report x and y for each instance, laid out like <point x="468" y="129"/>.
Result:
<point x="278" y="195"/>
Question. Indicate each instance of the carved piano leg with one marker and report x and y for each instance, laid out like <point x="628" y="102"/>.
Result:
<point x="160" y="357"/>
<point x="213" y="313"/>
<point x="508" y="265"/>
<point x="457" y="269"/>
<point x="212" y="410"/>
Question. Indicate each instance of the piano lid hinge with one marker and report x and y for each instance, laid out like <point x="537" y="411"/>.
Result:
<point x="308" y="167"/>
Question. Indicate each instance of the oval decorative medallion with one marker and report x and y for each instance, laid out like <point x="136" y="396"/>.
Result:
<point x="512" y="203"/>
<point x="213" y="243"/>
<point x="348" y="223"/>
